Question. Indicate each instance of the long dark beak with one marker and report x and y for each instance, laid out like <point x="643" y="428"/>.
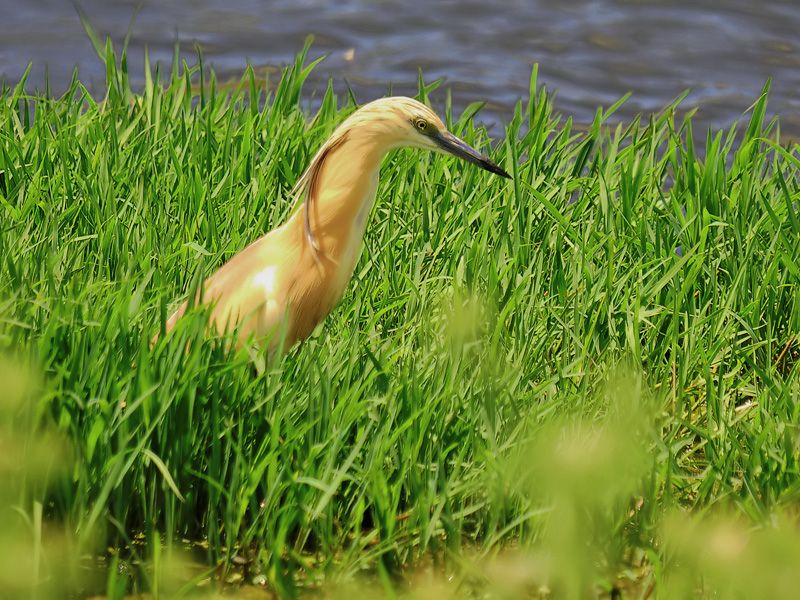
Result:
<point x="450" y="143"/>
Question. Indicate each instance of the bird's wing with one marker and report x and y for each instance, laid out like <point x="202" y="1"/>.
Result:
<point x="247" y="291"/>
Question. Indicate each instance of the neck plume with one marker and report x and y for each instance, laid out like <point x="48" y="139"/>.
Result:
<point x="339" y="188"/>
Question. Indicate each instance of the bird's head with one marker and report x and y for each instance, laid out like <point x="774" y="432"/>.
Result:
<point x="410" y="123"/>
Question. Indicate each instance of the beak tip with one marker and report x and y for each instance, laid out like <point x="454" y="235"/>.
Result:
<point x="450" y="143"/>
<point x="493" y="167"/>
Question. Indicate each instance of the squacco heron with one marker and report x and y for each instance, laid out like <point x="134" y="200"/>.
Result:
<point x="279" y="288"/>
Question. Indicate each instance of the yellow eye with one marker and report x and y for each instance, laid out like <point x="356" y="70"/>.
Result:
<point x="421" y="124"/>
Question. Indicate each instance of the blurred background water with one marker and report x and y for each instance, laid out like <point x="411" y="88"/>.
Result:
<point x="591" y="52"/>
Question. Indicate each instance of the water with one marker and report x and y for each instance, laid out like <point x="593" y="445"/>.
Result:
<point x="591" y="52"/>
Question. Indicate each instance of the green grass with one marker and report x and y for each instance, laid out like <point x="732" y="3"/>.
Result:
<point x="584" y="378"/>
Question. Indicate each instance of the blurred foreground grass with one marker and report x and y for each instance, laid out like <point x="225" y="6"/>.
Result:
<point x="582" y="382"/>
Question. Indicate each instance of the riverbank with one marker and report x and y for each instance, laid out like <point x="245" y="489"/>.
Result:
<point x="582" y="380"/>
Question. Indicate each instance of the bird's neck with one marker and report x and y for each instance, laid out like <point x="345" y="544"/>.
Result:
<point x="343" y="194"/>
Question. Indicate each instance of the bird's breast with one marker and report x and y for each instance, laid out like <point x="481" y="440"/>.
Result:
<point x="352" y="247"/>
<point x="322" y="278"/>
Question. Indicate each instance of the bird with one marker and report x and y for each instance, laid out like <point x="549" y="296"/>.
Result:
<point x="279" y="288"/>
